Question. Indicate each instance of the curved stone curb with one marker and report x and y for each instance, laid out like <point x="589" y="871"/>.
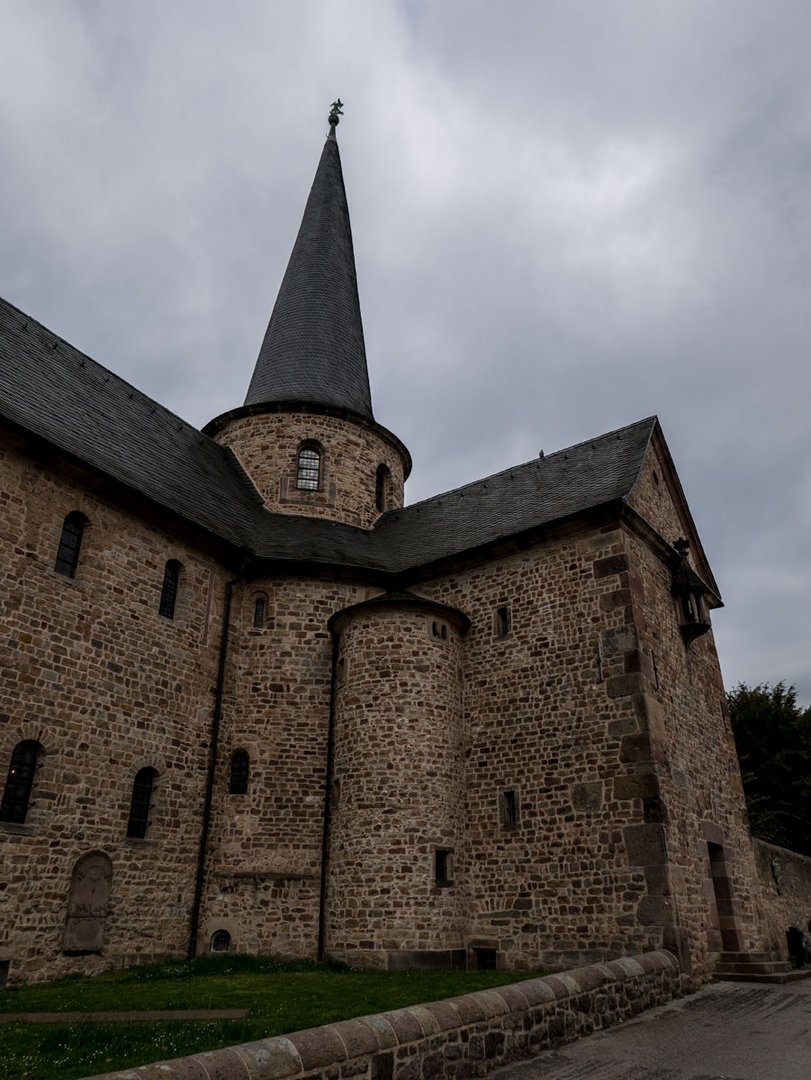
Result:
<point x="454" y="1039"/>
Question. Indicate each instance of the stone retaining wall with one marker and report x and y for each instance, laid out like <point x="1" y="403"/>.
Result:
<point x="458" y="1038"/>
<point x="785" y="902"/>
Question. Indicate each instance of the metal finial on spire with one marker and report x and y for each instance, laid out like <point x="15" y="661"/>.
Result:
<point x="336" y="111"/>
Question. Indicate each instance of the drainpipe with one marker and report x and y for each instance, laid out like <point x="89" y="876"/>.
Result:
<point x="212" y="767"/>
<point x="322" y="907"/>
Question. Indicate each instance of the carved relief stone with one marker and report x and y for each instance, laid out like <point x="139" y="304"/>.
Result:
<point x="88" y="903"/>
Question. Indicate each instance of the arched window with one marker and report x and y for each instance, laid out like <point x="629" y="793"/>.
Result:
<point x="171" y="580"/>
<point x="308" y="468"/>
<point x="70" y="542"/>
<point x="20" y="781"/>
<point x="381" y="481"/>
<point x="220" y="941"/>
<point x="140" y="804"/>
<point x="259" y="606"/>
<point x="240" y="767"/>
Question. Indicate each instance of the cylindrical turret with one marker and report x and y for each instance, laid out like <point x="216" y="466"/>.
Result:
<point x="397" y="801"/>
<point x="317" y="460"/>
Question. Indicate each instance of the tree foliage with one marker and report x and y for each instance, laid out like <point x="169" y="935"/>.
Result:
<point x="773" y="737"/>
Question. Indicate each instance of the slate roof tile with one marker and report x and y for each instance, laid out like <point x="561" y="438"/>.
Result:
<point x="51" y="389"/>
<point x="313" y="348"/>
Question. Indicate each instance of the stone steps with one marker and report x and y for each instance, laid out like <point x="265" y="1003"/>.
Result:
<point x="757" y="968"/>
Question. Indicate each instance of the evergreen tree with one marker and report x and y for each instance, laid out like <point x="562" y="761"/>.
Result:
<point x="773" y="737"/>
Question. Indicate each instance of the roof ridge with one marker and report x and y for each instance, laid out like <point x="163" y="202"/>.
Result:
<point x="526" y="464"/>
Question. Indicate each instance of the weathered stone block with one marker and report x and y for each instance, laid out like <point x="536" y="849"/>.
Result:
<point x="635" y="786"/>
<point x="645" y="844"/>
<point x="655" y="911"/>
<point x="612" y="564"/>
<point x="587" y="798"/>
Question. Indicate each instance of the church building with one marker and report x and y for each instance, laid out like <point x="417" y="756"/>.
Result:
<point x="251" y="701"/>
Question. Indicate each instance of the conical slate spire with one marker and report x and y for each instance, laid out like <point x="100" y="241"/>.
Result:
<point x="313" y="351"/>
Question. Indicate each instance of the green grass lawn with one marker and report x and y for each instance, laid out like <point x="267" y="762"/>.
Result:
<point x="279" y="998"/>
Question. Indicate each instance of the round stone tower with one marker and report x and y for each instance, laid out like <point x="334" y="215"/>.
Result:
<point x="394" y="895"/>
<point x="306" y="435"/>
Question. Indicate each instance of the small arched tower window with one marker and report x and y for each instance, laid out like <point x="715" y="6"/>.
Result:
<point x="240" y="767"/>
<point x="171" y="581"/>
<point x="308" y="468"/>
<point x="70" y="543"/>
<point x="20" y="781"/>
<point x="141" y="803"/>
<point x="381" y="484"/>
<point x="259" y="609"/>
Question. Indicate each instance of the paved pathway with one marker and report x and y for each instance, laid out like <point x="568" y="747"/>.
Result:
<point x="727" y="1031"/>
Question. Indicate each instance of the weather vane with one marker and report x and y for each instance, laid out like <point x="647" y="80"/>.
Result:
<point x="336" y="111"/>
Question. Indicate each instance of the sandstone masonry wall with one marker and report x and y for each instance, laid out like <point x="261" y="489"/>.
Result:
<point x="783" y="904"/>
<point x="106" y="686"/>
<point x="697" y="843"/>
<point x="264" y="862"/>
<point x="549" y="705"/>
<point x="267" y="446"/>
<point x="398" y="790"/>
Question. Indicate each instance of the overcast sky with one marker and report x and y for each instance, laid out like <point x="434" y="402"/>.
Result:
<point x="568" y="215"/>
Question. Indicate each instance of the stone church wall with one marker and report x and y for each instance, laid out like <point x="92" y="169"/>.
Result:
<point x="549" y="709"/>
<point x="267" y="446"/>
<point x="709" y="884"/>
<point x="265" y="851"/>
<point x="398" y="791"/>
<point x="106" y="686"/>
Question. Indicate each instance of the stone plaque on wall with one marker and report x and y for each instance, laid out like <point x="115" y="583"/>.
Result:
<point x="88" y="903"/>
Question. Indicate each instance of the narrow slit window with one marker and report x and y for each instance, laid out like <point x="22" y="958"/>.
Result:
<point x="70" y="543"/>
<point x="503" y="621"/>
<point x="171" y="581"/>
<point x="140" y="803"/>
<point x="443" y="866"/>
<point x="240" y="769"/>
<point x="509" y="809"/>
<point x="259" y="612"/>
<point x="19" y="782"/>
<point x="381" y="479"/>
<point x="308" y="471"/>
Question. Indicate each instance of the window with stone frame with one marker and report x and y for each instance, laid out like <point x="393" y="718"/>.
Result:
<point x="240" y="772"/>
<point x="503" y="621"/>
<point x="141" y="803"/>
<point x="70" y="544"/>
<point x="220" y="941"/>
<point x="259" y="612"/>
<point x="443" y="866"/>
<point x="308" y="467"/>
<point x="508" y="809"/>
<point x="381" y="486"/>
<point x="20" y="781"/>
<point x="169" y="589"/>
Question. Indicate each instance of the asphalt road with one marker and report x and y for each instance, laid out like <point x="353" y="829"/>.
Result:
<point x="727" y="1031"/>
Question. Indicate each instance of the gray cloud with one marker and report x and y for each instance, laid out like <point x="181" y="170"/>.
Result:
<point x="567" y="216"/>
